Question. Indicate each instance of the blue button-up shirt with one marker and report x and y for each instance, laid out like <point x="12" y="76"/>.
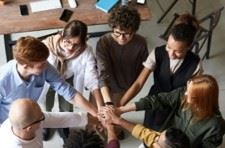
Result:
<point x="13" y="87"/>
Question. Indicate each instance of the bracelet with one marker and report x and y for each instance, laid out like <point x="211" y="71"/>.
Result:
<point x="109" y="103"/>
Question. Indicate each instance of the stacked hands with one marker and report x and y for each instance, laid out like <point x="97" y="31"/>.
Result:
<point x="109" y="115"/>
<point x="106" y="116"/>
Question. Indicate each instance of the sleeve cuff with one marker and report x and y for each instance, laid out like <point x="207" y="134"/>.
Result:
<point x="136" y="130"/>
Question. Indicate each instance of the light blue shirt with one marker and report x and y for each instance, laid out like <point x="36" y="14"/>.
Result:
<point x="13" y="87"/>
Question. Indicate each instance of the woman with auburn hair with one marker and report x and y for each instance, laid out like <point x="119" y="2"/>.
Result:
<point x="202" y="97"/>
<point x="195" y="111"/>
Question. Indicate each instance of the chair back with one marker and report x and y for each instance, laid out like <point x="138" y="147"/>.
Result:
<point x="203" y="36"/>
<point x="213" y="18"/>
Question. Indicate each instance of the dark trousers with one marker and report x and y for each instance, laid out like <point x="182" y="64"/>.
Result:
<point x="63" y="104"/>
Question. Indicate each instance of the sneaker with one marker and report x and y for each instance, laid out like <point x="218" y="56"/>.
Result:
<point x="64" y="133"/>
<point x="46" y="134"/>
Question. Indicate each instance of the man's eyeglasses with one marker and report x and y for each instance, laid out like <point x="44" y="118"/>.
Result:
<point x="35" y="122"/>
<point x="125" y="34"/>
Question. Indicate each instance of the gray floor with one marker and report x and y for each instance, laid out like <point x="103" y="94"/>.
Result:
<point x="151" y="30"/>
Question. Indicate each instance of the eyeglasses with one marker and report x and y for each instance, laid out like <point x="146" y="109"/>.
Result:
<point x="68" y="44"/>
<point x="125" y="34"/>
<point x="35" y="122"/>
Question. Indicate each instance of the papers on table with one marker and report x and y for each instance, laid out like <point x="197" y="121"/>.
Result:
<point x="43" y="5"/>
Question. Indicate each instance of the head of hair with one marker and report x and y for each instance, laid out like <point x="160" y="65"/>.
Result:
<point x="125" y="17"/>
<point x="83" y="139"/>
<point x="175" y="138"/>
<point x="76" y="28"/>
<point x="187" y="19"/>
<point x="23" y="111"/>
<point x="204" y="94"/>
<point x="184" y="33"/>
<point x="29" y="49"/>
<point x="185" y="28"/>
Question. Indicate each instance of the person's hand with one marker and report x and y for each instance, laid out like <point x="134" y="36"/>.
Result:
<point x="109" y="114"/>
<point x="118" y="111"/>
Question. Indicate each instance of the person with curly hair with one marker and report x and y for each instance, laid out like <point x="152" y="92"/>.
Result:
<point x="120" y="54"/>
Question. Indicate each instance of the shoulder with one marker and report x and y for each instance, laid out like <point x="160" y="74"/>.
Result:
<point x="193" y="56"/>
<point x="50" y="70"/>
<point x="139" y="38"/>
<point x="86" y="54"/>
<point x="105" y="38"/>
<point x="217" y="120"/>
<point x="51" y="41"/>
<point x="161" y="48"/>
<point x="7" y="70"/>
<point x="88" y="50"/>
<point x="178" y="93"/>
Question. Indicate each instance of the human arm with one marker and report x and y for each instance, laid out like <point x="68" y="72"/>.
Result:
<point x="64" y="119"/>
<point x="153" y="102"/>
<point x="135" y="87"/>
<point x="103" y="67"/>
<point x="137" y="130"/>
<point x="108" y="116"/>
<point x="106" y="94"/>
<point x="159" y="101"/>
<point x="144" y="134"/>
<point x="91" y="78"/>
<point x="111" y="133"/>
<point x="98" y="97"/>
<point x="149" y="66"/>
<point x="63" y="88"/>
<point x="81" y="102"/>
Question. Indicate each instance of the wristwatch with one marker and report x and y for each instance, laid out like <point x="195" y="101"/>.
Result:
<point x="109" y="103"/>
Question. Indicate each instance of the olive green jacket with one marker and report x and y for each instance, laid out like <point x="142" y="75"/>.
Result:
<point x="207" y="133"/>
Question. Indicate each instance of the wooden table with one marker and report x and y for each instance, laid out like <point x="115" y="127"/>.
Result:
<point x="12" y="22"/>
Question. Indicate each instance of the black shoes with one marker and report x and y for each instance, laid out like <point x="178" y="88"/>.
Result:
<point x="46" y="134"/>
<point x="64" y="133"/>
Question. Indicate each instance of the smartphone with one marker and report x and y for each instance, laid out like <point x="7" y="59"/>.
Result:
<point x="66" y="15"/>
<point x="24" y="10"/>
